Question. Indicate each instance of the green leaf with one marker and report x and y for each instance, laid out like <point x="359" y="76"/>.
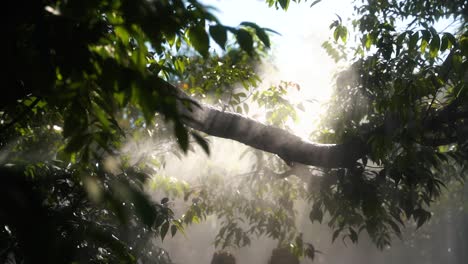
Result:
<point x="199" y="39"/>
<point x="344" y="33"/>
<point x="101" y="116"/>
<point x="219" y="34"/>
<point x="368" y="41"/>
<point x="423" y="45"/>
<point x="336" y="33"/>
<point x="179" y="65"/>
<point x="122" y="34"/>
<point x="245" y="40"/>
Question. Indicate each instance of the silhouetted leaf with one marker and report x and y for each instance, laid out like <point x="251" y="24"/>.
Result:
<point x="353" y="235"/>
<point x="182" y="136"/>
<point x="245" y="40"/>
<point x="202" y="142"/>
<point x="199" y="39"/>
<point x="311" y="5"/>
<point x="336" y="233"/>
<point x="284" y="4"/>
<point x="434" y="46"/>
<point x="310" y="251"/>
<point x="261" y="34"/>
<point x="413" y="40"/>
<point x="164" y="229"/>
<point x="316" y="214"/>
<point x="173" y="230"/>
<point x="219" y="34"/>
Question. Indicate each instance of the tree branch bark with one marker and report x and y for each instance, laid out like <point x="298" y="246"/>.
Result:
<point x="289" y="147"/>
<point x="271" y="139"/>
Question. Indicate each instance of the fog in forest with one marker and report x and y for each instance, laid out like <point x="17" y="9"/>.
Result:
<point x="348" y="120"/>
<point x="302" y="60"/>
<point x="442" y="240"/>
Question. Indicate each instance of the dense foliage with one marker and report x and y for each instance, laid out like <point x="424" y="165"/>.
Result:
<point x="82" y="77"/>
<point x="405" y="95"/>
<point x="86" y="77"/>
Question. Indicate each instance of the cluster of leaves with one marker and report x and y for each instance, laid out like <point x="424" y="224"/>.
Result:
<point x="279" y="110"/>
<point x="122" y="58"/>
<point x="284" y="4"/>
<point x="255" y="203"/>
<point x="450" y="211"/>
<point x="217" y="79"/>
<point x="405" y="97"/>
<point x="260" y="202"/>
<point x="57" y="213"/>
<point x="82" y="76"/>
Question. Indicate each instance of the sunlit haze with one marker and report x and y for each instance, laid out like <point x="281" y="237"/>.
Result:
<point x="297" y="55"/>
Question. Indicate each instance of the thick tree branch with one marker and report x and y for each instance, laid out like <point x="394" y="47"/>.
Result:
<point x="290" y="147"/>
<point x="253" y="133"/>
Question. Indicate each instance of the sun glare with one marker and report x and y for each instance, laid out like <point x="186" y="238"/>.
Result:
<point x="297" y="55"/>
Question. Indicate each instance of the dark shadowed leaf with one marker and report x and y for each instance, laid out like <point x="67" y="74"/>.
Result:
<point x="315" y="2"/>
<point x="164" y="229"/>
<point x="284" y="4"/>
<point x="261" y="34"/>
<point x="353" y="235"/>
<point x="143" y="206"/>
<point x="182" y="136"/>
<point x="219" y="34"/>
<point x="245" y="40"/>
<point x="316" y="214"/>
<point x="310" y="251"/>
<point x="199" y="39"/>
<point x="202" y="142"/>
<point x="336" y="233"/>
<point x="434" y="46"/>
<point x="173" y="230"/>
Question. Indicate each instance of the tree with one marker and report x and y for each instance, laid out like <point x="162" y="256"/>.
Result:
<point x="77" y="69"/>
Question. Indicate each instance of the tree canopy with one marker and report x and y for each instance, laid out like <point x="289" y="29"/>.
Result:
<point x="83" y="77"/>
